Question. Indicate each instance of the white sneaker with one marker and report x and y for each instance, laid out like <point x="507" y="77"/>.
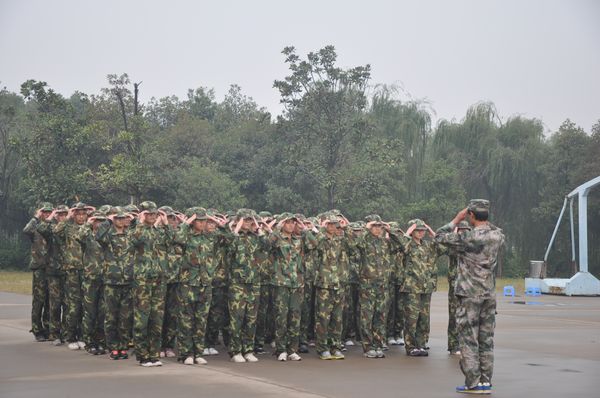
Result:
<point x="57" y="342"/>
<point x="282" y="357"/>
<point x="349" y="343"/>
<point x="212" y="351"/>
<point x="392" y="341"/>
<point x="162" y="354"/>
<point x="81" y="345"/>
<point x="250" y="357"/>
<point x="157" y="363"/>
<point x="146" y="364"/>
<point x="400" y="341"/>
<point x="238" y="358"/>
<point x="189" y="361"/>
<point x="200" y="361"/>
<point x="169" y="353"/>
<point x="206" y="351"/>
<point x="294" y="357"/>
<point x="73" y="346"/>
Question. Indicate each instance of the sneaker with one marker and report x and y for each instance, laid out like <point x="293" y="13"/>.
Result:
<point x="212" y="351"/>
<point x="238" y="358"/>
<point x="101" y="349"/>
<point x="115" y="355"/>
<point x="415" y="352"/>
<point x="400" y="341"/>
<point x="156" y="362"/>
<point x="81" y="345"/>
<point x="349" y="343"/>
<point x="249" y="357"/>
<point x="426" y="347"/>
<point x="206" y="351"/>
<point x="73" y="346"/>
<point x="474" y="390"/>
<point x="282" y="357"/>
<point x="370" y="354"/>
<point x="123" y="354"/>
<point x="303" y="349"/>
<point x="294" y="357"/>
<point x="200" y="361"/>
<point x="423" y="352"/>
<point x="485" y="386"/>
<point x="337" y="354"/>
<point x="92" y="350"/>
<point x="312" y="344"/>
<point x="258" y="350"/>
<point x="344" y="349"/>
<point x="385" y="347"/>
<point x="146" y="363"/>
<point x="325" y="355"/>
<point x="455" y="352"/>
<point x="57" y="342"/>
<point x="188" y="361"/>
<point x="392" y="341"/>
<point x="380" y="354"/>
<point x="169" y="353"/>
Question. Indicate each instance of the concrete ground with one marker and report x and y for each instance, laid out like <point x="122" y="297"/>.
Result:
<point x="549" y="347"/>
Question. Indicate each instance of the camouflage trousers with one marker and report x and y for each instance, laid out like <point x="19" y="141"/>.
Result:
<point x="118" y="317"/>
<point x="476" y="320"/>
<point x="73" y="304"/>
<point x="92" y="325"/>
<point x="452" y="308"/>
<point x="373" y="301"/>
<point x="191" y="330"/>
<point x="288" y="308"/>
<point x="307" y="319"/>
<point x="148" y="312"/>
<point x="395" y="320"/>
<point x="40" y="313"/>
<point x="243" y="309"/>
<point x="56" y="305"/>
<point x="218" y="317"/>
<point x="351" y="328"/>
<point x="416" y="320"/>
<point x="173" y="308"/>
<point x="264" y="317"/>
<point x="329" y="308"/>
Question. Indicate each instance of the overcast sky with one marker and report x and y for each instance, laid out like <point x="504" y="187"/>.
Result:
<point x="535" y="58"/>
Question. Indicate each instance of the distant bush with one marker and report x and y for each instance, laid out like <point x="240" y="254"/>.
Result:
<point x="14" y="252"/>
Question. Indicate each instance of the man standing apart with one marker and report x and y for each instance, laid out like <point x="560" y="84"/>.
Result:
<point x="477" y="253"/>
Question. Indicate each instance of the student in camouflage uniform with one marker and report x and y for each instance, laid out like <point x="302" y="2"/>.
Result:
<point x="420" y="280"/>
<point x="200" y="242"/>
<point x="453" y="347"/>
<point x="477" y="252"/>
<point x="395" y="322"/>
<point x="118" y="277"/>
<point x="244" y="285"/>
<point x="288" y="284"/>
<point x="39" y="262"/>
<point x="351" y="308"/>
<point x="149" y="287"/>
<point x="67" y="235"/>
<point x="265" y="301"/>
<point x="55" y="274"/>
<point x="171" y="254"/>
<point x="331" y="275"/>
<point x="93" y="286"/>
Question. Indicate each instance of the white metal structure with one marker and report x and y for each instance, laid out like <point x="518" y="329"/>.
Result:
<point x="582" y="283"/>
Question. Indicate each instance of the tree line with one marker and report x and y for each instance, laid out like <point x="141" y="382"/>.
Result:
<point x="340" y="142"/>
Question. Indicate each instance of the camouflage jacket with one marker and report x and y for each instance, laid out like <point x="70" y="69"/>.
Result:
<point x="288" y="253"/>
<point x="477" y="256"/>
<point x="375" y="267"/>
<point x="332" y="266"/>
<point x="420" y="270"/>
<point x="67" y="236"/>
<point x="200" y="258"/>
<point x="39" y="246"/>
<point x="170" y="254"/>
<point x="55" y="263"/>
<point x="93" y="252"/>
<point x="221" y="276"/>
<point x="244" y="254"/>
<point x="144" y="244"/>
<point x="118" y="266"/>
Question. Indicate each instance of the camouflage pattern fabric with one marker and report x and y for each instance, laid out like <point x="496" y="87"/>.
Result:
<point x="118" y="316"/>
<point x="148" y="313"/>
<point x="93" y="311"/>
<point x="193" y="319"/>
<point x="416" y="320"/>
<point x="73" y="305"/>
<point x="39" y="287"/>
<point x="56" y="305"/>
<point x="329" y="309"/>
<point x="288" y="305"/>
<point x="452" y="305"/>
<point x="373" y="301"/>
<point x="243" y="309"/>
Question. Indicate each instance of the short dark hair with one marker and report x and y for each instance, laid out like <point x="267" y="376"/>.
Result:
<point x="480" y="215"/>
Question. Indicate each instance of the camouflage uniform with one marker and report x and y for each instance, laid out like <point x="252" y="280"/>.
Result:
<point x="288" y="284"/>
<point x="307" y="321"/>
<point x="395" y="323"/>
<point x="477" y="254"/>
<point x="352" y="308"/>
<point x="149" y="288"/>
<point x="264" y="317"/>
<point x="67" y="235"/>
<point x="218" y="316"/>
<point x="420" y="281"/>
<point x="198" y="268"/>
<point x="92" y="287"/>
<point x="118" y="277"/>
<point x="56" y="278"/>
<point x="39" y="288"/>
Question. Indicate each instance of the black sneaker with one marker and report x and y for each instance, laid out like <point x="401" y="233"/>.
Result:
<point x="303" y="349"/>
<point x="101" y="349"/>
<point x="123" y="354"/>
<point x="415" y="352"/>
<point x="423" y="352"/>
<point x="259" y="350"/>
<point x="92" y="349"/>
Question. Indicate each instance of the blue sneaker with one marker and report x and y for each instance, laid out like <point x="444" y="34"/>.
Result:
<point x="479" y="389"/>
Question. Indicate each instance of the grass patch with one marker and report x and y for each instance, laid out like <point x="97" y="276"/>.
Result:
<point x="517" y="283"/>
<point x="15" y="282"/>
